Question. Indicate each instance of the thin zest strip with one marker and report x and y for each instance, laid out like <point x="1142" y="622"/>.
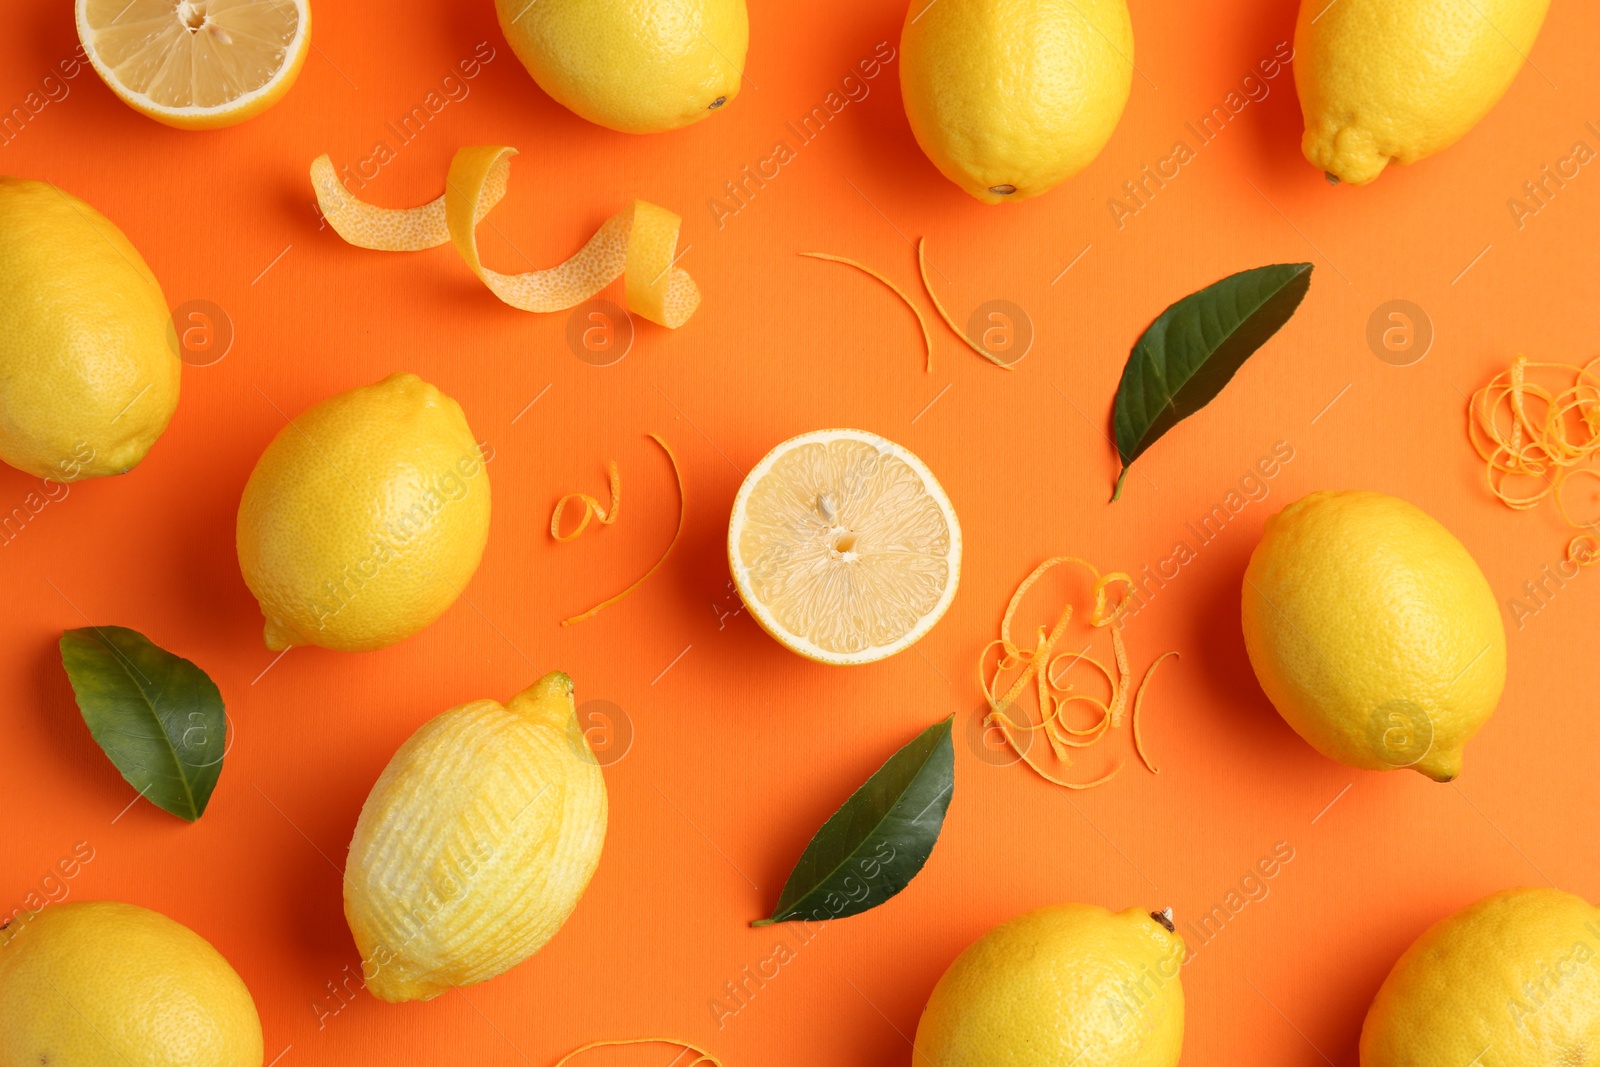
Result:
<point x="927" y="338"/>
<point x="922" y="268"/>
<point x="1521" y="429"/>
<point x="637" y="244"/>
<point x="1042" y="666"/>
<point x="701" y="1055"/>
<point x="1584" y="550"/>
<point x="683" y="512"/>
<point x="1138" y="702"/>
<point x="591" y="508"/>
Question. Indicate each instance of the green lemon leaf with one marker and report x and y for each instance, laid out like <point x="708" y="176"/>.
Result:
<point x="1194" y="349"/>
<point x="157" y="716"/>
<point x="873" y="846"/>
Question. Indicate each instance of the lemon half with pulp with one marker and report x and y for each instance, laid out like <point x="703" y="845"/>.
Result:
<point x="844" y="546"/>
<point x="196" y="64"/>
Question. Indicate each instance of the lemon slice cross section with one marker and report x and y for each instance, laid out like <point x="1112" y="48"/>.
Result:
<point x="844" y="546"/>
<point x="196" y="64"/>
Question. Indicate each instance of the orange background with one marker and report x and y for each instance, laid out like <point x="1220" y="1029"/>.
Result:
<point x="741" y="749"/>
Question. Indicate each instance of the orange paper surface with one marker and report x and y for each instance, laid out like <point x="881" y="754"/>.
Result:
<point x="726" y="751"/>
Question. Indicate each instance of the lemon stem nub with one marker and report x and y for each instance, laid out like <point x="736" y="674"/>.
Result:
<point x="1164" y="917"/>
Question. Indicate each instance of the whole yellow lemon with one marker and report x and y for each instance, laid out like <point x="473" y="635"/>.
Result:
<point x="1373" y="632"/>
<point x="1072" y="984"/>
<point x="638" y="66"/>
<point x="88" y="380"/>
<point x="102" y="984"/>
<point x="1511" y="981"/>
<point x="1008" y="98"/>
<point x="364" y="518"/>
<point x="475" y="844"/>
<point x="1398" y="80"/>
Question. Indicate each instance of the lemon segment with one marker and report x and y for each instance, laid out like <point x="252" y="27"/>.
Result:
<point x="196" y="64"/>
<point x="844" y="546"/>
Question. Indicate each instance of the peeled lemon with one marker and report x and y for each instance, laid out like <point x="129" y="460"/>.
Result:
<point x="196" y="64"/>
<point x="844" y="546"/>
<point x="1009" y="98"/>
<point x="1063" y="986"/>
<point x="364" y="518"/>
<point x="103" y="984"/>
<point x="638" y="66"/>
<point x="88" y="380"/>
<point x="475" y="844"/>
<point x="1394" y="81"/>
<point x="1373" y="632"/>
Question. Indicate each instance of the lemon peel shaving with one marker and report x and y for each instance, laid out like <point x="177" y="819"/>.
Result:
<point x="1138" y="702"/>
<point x="637" y="244"/>
<point x="927" y="338"/>
<point x="1584" y="550"/>
<point x="922" y="268"/>
<point x="683" y="512"/>
<point x="591" y="508"/>
<point x="701" y="1055"/>
<point x="1523" y="429"/>
<point x="1047" y="669"/>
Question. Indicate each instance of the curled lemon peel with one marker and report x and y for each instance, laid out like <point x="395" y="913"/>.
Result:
<point x="637" y="244"/>
<point x="1047" y="669"/>
<point x="683" y="512"/>
<point x="1138" y="702"/>
<point x="1523" y="429"/>
<point x="1584" y="550"/>
<point x="922" y="268"/>
<point x="591" y="508"/>
<point x="701" y="1055"/>
<point x="1561" y="502"/>
<point x="927" y="338"/>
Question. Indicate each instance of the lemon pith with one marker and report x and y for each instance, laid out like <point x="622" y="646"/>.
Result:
<point x="636" y="66"/>
<point x="1008" y="98"/>
<point x="196" y="64"/>
<point x="844" y="546"/>
<point x="1067" y="985"/>
<point x="1373" y="632"/>
<point x="88" y="381"/>
<point x="1510" y="981"/>
<point x="475" y="843"/>
<point x="364" y="518"/>
<point x="1384" y="81"/>
<point x="105" y="984"/>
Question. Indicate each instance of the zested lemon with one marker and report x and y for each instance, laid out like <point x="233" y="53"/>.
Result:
<point x="1064" y="986"/>
<point x="1008" y="98"/>
<point x="88" y="380"/>
<point x="638" y="66"/>
<point x="844" y="546"/>
<point x="1384" y="81"/>
<point x="1511" y="981"/>
<point x="1373" y="632"/>
<point x="196" y="64"/>
<point x="102" y="984"/>
<point x="475" y="844"/>
<point x="364" y="518"/>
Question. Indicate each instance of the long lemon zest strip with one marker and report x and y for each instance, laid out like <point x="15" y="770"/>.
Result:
<point x="591" y="508"/>
<point x="638" y="243"/>
<point x="701" y="1055"/>
<point x="927" y="338"/>
<point x="922" y="268"/>
<point x="1138" y="702"/>
<point x="1584" y="550"/>
<point x="1561" y="502"/>
<point x="683" y="512"/>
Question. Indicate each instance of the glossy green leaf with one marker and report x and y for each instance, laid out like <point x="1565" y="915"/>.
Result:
<point x="876" y="843"/>
<point x="1194" y="349"/>
<point x="157" y="716"/>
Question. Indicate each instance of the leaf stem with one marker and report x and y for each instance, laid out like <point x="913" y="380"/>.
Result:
<point x="1116" y="494"/>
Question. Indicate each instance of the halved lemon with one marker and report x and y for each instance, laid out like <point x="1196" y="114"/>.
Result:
<point x="844" y="547"/>
<point x="196" y="64"/>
